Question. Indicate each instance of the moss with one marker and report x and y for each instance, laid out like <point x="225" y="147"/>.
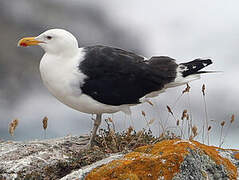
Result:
<point x="160" y="160"/>
<point x="30" y="176"/>
<point x="77" y="160"/>
<point x="59" y="170"/>
<point x="33" y="176"/>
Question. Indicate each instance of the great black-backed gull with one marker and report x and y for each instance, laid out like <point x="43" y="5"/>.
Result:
<point x="100" y="79"/>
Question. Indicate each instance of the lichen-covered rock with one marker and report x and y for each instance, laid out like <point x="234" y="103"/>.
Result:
<point x="64" y="158"/>
<point x="81" y="173"/>
<point x="172" y="159"/>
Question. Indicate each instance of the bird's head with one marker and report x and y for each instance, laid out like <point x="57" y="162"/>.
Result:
<point x="53" y="41"/>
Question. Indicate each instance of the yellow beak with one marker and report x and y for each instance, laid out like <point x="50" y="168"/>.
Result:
<point x="28" y="41"/>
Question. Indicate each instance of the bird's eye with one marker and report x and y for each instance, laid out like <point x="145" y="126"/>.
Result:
<point x="49" y="37"/>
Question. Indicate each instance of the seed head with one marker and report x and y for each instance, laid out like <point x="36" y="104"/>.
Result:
<point x="110" y="119"/>
<point x="143" y="113"/>
<point x="12" y="126"/>
<point x="15" y="122"/>
<point x="169" y="110"/>
<point x="203" y="89"/>
<point x="44" y="122"/>
<point x="194" y="130"/>
<point x="232" y="118"/>
<point x="222" y="123"/>
<point x="187" y="89"/>
<point x="148" y="101"/>
<point x="187" y="117"/>
<point x="184" y="115"/>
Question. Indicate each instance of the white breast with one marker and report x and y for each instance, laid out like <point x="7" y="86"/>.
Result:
<point x="63" y="79"/>
<point x="61" y="75"/>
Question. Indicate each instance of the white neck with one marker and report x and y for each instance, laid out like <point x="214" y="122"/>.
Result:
<point x="57" y="71"/>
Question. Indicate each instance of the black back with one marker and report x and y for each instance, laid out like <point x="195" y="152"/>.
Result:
<point x="117" y="77"/>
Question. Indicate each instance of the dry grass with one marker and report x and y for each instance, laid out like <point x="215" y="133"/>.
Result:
<point x="44" y="124"/>
<point x="12" y="126"/>
<point x="206" y="125"/>
<point x="111" y="141"/>
<point x="189" y="130"/>
<point x="183" y="123"/>
<point x="222" y="138"/>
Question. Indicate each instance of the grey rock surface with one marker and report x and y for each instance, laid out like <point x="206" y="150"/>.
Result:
<point x="197" y="165"/>
<point x="80" y="174"/>
<point x="38" y="158"/>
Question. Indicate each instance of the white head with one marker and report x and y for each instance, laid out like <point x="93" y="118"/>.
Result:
<point x="53" y="41"/>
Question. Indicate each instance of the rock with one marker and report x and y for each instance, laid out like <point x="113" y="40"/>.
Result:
<point x="64" y="159"/>
<point x="81" y="173"/>
<point x="45" y="159"/>
<point x="172" y="159"/>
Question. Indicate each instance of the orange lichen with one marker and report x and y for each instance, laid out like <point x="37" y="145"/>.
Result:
<point x="159" y="160"/>
<point x="237" y="156"/>
<point x="213" y="153"/>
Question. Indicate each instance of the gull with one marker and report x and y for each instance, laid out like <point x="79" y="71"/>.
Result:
<point x="102" y="79"/>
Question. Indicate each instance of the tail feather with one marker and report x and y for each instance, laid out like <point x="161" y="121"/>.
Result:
<point x="189" y="71"/>
<point x="194" y="67"/>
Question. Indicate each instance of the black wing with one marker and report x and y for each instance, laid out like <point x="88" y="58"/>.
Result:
<point x="117" y="77"/>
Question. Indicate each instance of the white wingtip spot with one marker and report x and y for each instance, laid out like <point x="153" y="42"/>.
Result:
<point x="182" y="68"/>
<point x="180" y="80"/>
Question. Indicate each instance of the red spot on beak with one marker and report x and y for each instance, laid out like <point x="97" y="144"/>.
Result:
<point x="23" y="44"/>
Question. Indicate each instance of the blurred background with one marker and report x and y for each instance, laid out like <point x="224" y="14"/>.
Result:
<point x="184" y="30"/>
